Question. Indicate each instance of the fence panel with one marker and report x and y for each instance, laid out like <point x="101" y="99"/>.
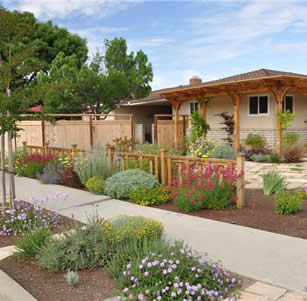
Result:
<point x="166" y="131"/>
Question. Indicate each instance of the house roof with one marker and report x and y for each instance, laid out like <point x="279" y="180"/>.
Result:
<point x="253" y="75"/>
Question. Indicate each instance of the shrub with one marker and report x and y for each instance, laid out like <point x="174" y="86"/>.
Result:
<point x="254" y="151"/>
<point x="202" y="148"/>
<point x="273" y="182"/>
<point x="260" y="157"/>
<point x="123" y="229"/>
<point x="32" y="242"/>
<point x="293" y="152"/>
<point x="72" y="278"/>
<point x="303" y="192"/>
<point x="83" y="248"/>
<point x="51" y="174"/>
<point x="199" y="127"/>
<point x="214" y="189"/>
<point x="274" y="157"/>
<point x="95" y="184"/>
<point x="70" y="178"/>
<point x="33" y="164"/>
<point x="173" y="272"/>
<point x="288" y="202"/>
<point x="121" y="184"/>
<point x="123" y="144"/>
<point x="26" y="217"/>
<point x="149" y="197"/>
<point x="224" y="151"/>
<point x="255" y="140"/>
<point x="95" y="164"/>
<point x="291" y="138"/>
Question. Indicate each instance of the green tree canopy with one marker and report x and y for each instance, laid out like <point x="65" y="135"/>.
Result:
<point x="100" y="85"/>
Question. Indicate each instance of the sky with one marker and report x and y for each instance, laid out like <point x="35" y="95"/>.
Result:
<point x="207" y="38"/>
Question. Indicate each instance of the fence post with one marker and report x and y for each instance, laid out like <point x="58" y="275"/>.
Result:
<point x="74" y="150"/>
<point x="91" y="131"/>
<point x="163" y="166"/>
<point x="156" y="130"/>
<point x="132" y="131"/>
<point x="24" y="145"/>
<point x="111" y="151"/>
<point x="46" y="147"/>
<point x="240" y="180"/>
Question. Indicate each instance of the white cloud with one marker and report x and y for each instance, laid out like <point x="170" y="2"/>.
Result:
<point x="47" y="9"/>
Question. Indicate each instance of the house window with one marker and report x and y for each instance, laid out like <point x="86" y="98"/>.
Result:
<point x="194" y="106"/>
<point x="258" y="105"/>
<point x="288" y="103"/>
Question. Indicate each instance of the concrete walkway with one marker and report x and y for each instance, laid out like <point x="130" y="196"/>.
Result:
<point x="273" y="258"/>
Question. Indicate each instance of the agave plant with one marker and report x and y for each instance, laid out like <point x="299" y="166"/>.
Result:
<point x="273" y="182"/>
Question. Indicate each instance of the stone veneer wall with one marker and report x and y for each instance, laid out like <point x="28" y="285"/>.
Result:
<point x="218" y="135"/>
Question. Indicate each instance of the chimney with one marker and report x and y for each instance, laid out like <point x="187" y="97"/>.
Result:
<point x="195" y="80"/>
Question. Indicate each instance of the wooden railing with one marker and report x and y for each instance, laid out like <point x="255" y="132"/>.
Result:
<point x="162" y="166"/>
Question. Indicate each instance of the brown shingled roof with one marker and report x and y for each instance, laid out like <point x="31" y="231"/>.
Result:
<point x="261" y="73"/>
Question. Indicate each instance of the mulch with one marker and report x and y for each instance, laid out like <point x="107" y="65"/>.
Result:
<point x="262" y="216"/>
<point x="94" y="285"/>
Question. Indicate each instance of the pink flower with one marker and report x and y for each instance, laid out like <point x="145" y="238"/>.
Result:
<point x="192" y="201"/>
<point x="200" y="197"/>
<point x="174" y="195"/>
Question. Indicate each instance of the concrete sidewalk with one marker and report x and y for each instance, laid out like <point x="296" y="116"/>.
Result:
<point x="277" y="259"/>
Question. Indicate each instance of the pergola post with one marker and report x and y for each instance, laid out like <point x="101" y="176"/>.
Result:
<point x="203" y="109"/>
<point x="279" y="94"/>
<point x="176" y="107"/>
<point x="236" y="104"/>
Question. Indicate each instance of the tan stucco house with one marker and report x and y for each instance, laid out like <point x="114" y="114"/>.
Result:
<point x="254" y="98"/>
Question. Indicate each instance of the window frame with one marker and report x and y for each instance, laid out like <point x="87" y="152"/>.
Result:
<point x="293" y="106"/>
<point x="258" y="114"/>
<point x="193" y="103"/>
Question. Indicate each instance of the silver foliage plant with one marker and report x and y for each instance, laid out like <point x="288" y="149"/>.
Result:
<point x="97" y="163"/>
<point x="72" y="278"/>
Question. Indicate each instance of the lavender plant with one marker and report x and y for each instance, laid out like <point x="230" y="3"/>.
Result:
<point x="26" y="217"/>
<point x="51" y="174"/>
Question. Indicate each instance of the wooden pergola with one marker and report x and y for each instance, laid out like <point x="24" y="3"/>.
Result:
<point x="234" y="87"/>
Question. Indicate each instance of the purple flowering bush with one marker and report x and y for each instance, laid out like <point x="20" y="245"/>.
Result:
<point x="174" y="272"/>
<point x="26" y="217"/>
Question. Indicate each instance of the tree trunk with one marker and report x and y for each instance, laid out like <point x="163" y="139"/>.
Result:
<point x="11" y="167"/>
<point x="2" y="169"/>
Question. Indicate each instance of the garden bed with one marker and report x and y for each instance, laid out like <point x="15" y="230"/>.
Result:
<point x="262" y="216"/>
<point x="94" y="285"/>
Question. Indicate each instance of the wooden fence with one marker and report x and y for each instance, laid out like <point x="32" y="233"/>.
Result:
<point x="85" y="132"/>
<point x="160" y="165"/>
<point x="165" y="129"/>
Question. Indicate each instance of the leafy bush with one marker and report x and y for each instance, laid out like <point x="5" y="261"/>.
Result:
<point x="32" y="242"/>
<point x="123" y="144"/>
<point x="149" y="197"/>
<point x="70" y="178"/>
<point x="51" y="174"/>
<point x="288" y="202"/>
<point x="83" y="248"/>
<point x="123" y="228"/>
<point x="149" y="271"/>
<point x="293" y="152"/>
<point x="254" y="151"/>
<point x="273" y="182"/>
<point x="95" y="164"/>
<point x="224" y="151"/>
<point x="255" y="140"/>
<point x="303" y="192"/>
<point x="260" y="157"/>
<point x="214" y="189"/>
<point x="26" y="217"/>
<point x="291" y="138"/>
<point x="199" y="127"/>
<point x="122" y="183"/>
<point x="95" y="184"/>
<point x="274" y="157"/>
<point x="202" y="148"/>
<point x="30" y="165"/>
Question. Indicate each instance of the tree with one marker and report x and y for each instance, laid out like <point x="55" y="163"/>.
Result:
<point x="100" y="85"/>
<point x="16" y="63"/>
<point x="49" y="40"/>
